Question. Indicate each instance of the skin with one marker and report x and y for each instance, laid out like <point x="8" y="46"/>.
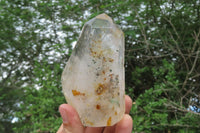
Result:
<point x="72" y="123"/>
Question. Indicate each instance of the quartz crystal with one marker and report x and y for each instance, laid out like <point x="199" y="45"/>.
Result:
<point x="93" y="78"/>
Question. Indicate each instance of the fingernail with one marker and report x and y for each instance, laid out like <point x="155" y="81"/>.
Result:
<point x="63" y="114"/>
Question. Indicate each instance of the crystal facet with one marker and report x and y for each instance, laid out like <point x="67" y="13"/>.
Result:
<point x="93" y="78"/>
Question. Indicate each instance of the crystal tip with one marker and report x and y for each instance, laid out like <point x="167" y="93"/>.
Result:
<point x="105" y="17"/>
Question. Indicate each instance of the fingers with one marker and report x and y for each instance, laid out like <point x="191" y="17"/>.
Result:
<point x="94" y="130"/>
<point x="60" y="129"/>
<point x="110" y="129"/>
<point x="128" y="104"/>
<point x="125" y="125"/>
<point x="71" y="120"/>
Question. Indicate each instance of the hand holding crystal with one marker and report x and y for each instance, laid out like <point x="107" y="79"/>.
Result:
<point x="72" y="123"/>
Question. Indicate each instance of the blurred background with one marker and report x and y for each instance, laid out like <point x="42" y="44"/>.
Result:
<point x="162" y="61"/>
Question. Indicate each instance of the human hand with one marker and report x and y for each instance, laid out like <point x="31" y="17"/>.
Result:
<point x="72" y="123"/>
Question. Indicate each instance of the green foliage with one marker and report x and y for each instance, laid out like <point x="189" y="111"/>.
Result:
<point x="41" y="106"/>
<point x="152" y="109"/>
<point x="149" y="110"/>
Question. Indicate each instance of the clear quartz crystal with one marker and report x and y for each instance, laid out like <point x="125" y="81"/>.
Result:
<point x="93" y="79"/>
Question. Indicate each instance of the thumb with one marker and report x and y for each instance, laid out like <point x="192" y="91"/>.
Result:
<point x="71" y="120"/>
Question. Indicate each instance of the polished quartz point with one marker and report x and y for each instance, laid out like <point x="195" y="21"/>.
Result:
<point x="93" y="79"/>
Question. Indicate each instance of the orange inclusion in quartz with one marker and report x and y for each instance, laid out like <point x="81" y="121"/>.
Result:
<point x="115" y="113"/>
<point x="111" y="60"/>
<point x="89" y="122"/>
<point x="98" y="106"/>
<point x="109" y="121"/>
<point x="103" y="72"/>
<point x="100" y="89"/>
<point x="77" y="93"/>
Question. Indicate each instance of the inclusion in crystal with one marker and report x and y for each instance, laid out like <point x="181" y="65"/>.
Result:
<point x="93" y="79"/>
